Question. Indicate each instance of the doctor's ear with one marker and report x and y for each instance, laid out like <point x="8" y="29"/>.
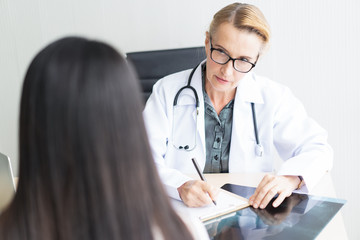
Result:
<point x="207" y="38"/>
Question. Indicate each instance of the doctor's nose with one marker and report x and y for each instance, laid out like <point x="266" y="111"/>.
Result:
<point x="227" y="68"/>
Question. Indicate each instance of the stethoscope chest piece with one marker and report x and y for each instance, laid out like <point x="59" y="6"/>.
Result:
<point x="259" y="150"/>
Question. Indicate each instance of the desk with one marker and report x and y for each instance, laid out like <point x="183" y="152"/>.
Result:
<point x="334" y="230"/>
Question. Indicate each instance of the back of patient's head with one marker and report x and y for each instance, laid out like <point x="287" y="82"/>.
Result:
<point x="86" y="170"/>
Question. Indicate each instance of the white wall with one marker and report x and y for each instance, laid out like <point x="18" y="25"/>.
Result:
<point x="314" y="51"/>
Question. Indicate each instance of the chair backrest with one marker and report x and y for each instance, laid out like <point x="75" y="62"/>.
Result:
<point x="153" y="65"/>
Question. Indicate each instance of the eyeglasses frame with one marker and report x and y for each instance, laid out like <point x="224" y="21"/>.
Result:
<point x="230" y="58"/>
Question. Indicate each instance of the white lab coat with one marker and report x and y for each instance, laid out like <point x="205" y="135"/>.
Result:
<point x="282" y="125"/>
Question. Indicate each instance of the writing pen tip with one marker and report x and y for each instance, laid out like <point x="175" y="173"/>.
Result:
<point x="214" y="202"/>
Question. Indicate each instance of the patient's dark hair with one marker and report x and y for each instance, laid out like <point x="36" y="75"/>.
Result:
<point x="86" y="170"/>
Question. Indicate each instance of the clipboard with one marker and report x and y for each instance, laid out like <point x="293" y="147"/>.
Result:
<point x="227" y="203"/>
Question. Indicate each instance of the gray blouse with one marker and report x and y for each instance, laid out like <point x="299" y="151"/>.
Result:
<point x="217" y="133"/>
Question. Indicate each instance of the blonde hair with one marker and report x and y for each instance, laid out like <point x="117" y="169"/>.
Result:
<point x="243" y="17"/>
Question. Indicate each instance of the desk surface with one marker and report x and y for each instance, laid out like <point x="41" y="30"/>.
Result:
<point x="334" y="230"/>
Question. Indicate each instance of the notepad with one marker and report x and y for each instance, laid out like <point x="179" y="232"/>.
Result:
<point x="227" y="202"/>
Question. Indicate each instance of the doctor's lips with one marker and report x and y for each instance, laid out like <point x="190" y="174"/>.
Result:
<point x="221" y="80"/>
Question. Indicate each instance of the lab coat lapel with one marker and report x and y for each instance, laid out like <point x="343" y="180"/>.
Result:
<point x="248" y="90"/>
<point x="242" y="128"/>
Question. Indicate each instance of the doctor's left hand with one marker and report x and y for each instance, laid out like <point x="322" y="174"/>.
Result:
<point x="271" y="185"/>
<point x="196" y="193"/>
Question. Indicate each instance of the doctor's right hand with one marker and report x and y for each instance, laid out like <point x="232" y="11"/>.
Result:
<point x="196" y="193"/>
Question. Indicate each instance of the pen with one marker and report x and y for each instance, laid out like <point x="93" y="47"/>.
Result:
<point x="200" y="173"/>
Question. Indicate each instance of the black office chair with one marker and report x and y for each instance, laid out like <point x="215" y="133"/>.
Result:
<point x="153" y="65"/>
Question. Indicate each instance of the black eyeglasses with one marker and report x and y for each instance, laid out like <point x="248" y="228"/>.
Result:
<point x="239" y="64"/>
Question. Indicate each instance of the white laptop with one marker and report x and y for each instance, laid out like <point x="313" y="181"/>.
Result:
<point x="7" y="185"/>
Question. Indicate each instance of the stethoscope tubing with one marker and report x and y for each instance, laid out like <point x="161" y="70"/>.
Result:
<point x="259" y="148"/>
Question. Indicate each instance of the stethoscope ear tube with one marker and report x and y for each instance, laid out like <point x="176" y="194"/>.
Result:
<point x="189" y="87"/>
<point x="254" y="122"/>
<point x="259" y="149"/>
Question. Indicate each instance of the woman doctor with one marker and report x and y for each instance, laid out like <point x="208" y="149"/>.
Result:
<point x="226" y="133"/>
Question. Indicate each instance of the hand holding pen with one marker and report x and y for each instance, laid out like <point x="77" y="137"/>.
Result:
<point x="197" y="193"/>
<point x="202" y="177"/>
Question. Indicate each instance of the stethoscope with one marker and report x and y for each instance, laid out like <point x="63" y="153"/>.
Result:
<point x="259" y="149"/>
